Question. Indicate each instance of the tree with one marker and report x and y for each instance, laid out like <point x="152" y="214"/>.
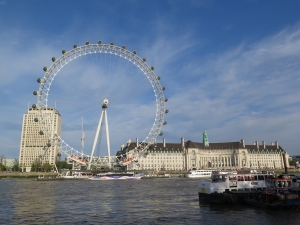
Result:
<point x="16" y="168"/>
<point x="63" y="165"/>
<point x="36" y="165"/>
<point x="47" y="167"/>
<point x="2" y="167"/>
<point x="292" y="162"/>
<point x="2" y="157"/>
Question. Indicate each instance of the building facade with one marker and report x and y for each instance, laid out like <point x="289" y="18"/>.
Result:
<point x="33" y="144"/>
<point x="222" y="156"/>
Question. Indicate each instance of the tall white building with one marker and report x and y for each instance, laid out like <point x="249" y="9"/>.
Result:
<point x="34" y="145"/>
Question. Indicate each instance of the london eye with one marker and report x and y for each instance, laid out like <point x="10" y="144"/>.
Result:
<point x="79" y="82"/>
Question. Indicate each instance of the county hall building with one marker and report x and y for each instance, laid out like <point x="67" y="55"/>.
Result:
<point x="226" y="155"/>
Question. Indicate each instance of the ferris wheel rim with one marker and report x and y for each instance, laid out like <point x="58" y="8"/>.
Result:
<point x="78" y="51"/>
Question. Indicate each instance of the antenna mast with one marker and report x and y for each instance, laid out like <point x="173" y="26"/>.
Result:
<point x="82" y="138"/>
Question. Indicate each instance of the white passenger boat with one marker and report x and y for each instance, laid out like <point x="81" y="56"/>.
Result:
<point x="66" y="174"/>
<point x="221" y="184"/>
<point x="115" y="176"/>
<point x="199" y="174"/>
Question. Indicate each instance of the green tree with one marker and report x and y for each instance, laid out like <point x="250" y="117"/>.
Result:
<point x="16" y="168"/>
<point x="46" y="167"/>
<point x="63" y="165"/>
<point x="36" y="165"/>
<point x="2" y="167"/>
<point x="292" y="162"/>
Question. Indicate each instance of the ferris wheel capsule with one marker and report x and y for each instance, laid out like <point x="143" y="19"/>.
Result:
<point x="45" y="68"/>
<point x="63" y="51"/>
<point x="34" y="92"/>
<point x="166" y="99"/>
<point x="39" y="80"/>
<point x="75" y="46"/>
<point x="36" y="120"/>
<point x="53" y="59"/>
<point x="99" y="42"/>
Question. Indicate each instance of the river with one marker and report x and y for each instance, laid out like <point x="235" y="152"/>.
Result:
<point x="146" y="201"/>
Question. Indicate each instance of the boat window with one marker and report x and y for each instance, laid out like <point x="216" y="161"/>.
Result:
<point x="232" y="177"/>
<point x="240" y="178"/>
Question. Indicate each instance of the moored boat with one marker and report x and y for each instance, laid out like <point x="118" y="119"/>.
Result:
<point x="231" y="187"/>
<point x="199" y="174"/>
<point x="279" y="194"/>
<point x="115" y="176"/>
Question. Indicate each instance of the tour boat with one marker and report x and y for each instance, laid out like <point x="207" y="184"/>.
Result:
<point x="73" y="175"/>
<point x="199" y="174"/>
<point x="115" y="176"/>
<point x="231" y="186"/>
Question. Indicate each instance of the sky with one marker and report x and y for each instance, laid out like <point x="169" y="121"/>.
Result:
<point x="229" y="67"/>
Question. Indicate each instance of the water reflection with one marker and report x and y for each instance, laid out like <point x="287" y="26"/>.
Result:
<point x="34" y="201"/>
<point x="155" y="201"/>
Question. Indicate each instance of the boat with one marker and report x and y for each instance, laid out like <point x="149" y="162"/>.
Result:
<point x="199" y="174"/>
<point x="115" y="176"/>
<point x="74" y="175"/>
<point x="280" y="193"/>
<point x="231" y="187"/>
<point x="65" y="175"/>
<point x="45" y="178"/>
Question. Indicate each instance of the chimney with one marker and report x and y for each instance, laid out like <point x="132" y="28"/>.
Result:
<point x="277" y="146"/>
<point x="182" y="143"/>
<point x="137" y="142"/>
<point x="272" y="143"/>
<point x="264" y="144"/>
<point x="243" y="143"/>
<point x="164" y="142"/>
<point x="256" y="142"/>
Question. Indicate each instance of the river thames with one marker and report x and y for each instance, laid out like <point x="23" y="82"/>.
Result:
<point x="145" y="201"/>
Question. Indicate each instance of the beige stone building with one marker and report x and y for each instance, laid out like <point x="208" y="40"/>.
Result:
<point x="33" y="144"/>
<point x="189" y="155"/>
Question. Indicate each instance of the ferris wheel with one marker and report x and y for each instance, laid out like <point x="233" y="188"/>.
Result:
<point x="103" y="71"/>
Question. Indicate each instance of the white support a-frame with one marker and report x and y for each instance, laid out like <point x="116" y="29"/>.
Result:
<point x="103" y="113"/>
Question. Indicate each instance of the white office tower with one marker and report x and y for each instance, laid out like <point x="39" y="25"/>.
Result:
<point x="33" y="146"/>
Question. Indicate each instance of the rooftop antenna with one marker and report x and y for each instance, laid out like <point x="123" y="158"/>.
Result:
<point x="82" y="138"/>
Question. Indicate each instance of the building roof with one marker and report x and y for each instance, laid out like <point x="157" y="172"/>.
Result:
<point x="221" y="145"/>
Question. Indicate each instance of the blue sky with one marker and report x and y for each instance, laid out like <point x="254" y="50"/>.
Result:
<point x="230" y="67"/>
